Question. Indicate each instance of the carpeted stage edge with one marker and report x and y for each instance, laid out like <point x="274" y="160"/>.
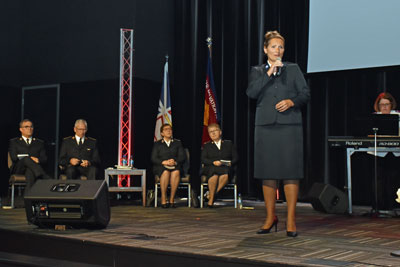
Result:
<point x="68" y="251"/>
<point x="223" y="236"/>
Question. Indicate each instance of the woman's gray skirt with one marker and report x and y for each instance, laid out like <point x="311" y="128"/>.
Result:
<point x="278" y="152"/>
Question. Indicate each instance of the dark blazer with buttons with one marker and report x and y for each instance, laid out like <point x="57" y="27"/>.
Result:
<point x="87" y="151"/>
<point x="211" y="153"/>
<point x="19" y="146"/>
<point x="269" y="90"/>
<point x="163" y="152"/>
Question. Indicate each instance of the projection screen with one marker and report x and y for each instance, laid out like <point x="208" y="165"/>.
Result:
<point x="353" y="34"/>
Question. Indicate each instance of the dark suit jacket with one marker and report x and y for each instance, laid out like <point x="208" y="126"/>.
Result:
<point x="162" y="152"/>
<point x="270" y="90"/>
<point x="19" y="146"/>
<point x="211" y="153"/>
<point x="87" y="151"/>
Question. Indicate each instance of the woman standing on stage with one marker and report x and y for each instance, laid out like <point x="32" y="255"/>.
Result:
<point x="280" y="90"/>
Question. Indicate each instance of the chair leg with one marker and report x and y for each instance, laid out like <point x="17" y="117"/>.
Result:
<point x="235" y="194"/>
<point x="12" y="195"/>
<point x="189" y="195"/>
<point x="155" y="195"/>
<point x="201" y="195"/>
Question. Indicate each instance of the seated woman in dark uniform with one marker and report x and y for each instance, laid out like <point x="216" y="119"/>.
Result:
<point x="388" y="173"/>
<point x="167" y="158"/>
<point x="218" y="157"/>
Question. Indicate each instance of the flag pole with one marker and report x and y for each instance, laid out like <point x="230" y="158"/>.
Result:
<point x="165" y="84"/>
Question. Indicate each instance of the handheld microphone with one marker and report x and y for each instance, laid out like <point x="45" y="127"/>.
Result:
<point x="278" y="69"/>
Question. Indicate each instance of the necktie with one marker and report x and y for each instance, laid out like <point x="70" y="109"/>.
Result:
<point x="28" y="141"/>
<point x="80" y="141"/>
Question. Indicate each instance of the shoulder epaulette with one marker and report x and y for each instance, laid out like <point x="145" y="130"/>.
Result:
<point x="69" y="137"/>
<point x="91" y="138"/>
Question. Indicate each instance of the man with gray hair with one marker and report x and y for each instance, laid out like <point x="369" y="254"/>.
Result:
<point x="79" y="154"/>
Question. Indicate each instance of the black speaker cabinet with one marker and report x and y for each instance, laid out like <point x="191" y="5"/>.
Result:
<point x="329" y="199"/>
<point x="75" y="203"/>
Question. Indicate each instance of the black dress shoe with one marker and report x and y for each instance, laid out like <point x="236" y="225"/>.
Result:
<point x="173" y="205"/>
<point x="165" y="206"/>
<point x="210" y="206"/>
<point x="268" y="230"/>
<point x="291" y="234"/>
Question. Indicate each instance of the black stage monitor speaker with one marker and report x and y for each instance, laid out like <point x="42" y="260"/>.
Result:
<point x="329" y="199"/>
<point x="75" y="203"/>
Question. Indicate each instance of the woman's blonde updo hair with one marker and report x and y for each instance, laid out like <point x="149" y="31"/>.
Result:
<point x="271" y="35"/>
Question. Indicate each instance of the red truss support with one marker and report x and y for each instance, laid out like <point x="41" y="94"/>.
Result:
<point x="125" y="103"/>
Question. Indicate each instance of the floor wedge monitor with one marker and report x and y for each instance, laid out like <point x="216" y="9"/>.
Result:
<point x="73" y="203"/>
<point x="327" y="198"/>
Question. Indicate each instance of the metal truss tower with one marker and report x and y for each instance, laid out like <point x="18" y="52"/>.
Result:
<point x="125" y="102"/>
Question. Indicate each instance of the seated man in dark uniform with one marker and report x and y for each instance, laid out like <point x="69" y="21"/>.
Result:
<point x="79" y="154"/>
<point x="218" y="156"/>
<point x="27" y="155"/>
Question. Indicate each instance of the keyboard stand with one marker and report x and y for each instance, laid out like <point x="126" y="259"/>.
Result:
<point x="350" y="151"/>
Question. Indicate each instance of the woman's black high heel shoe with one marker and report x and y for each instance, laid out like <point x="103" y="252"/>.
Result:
<point x="291" y="234"/>
<point x="268" y="230"/>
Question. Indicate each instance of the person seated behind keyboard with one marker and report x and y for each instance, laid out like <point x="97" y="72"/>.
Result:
<point x="388" y="181"/>
<point x="79" y="154"/>
<point x="218" y="156"/>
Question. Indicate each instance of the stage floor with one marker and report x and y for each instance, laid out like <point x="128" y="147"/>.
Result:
<point x="230" y="234"/>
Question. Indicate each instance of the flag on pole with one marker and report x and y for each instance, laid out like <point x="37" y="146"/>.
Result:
<point x="164" y="105"/>
<point x="211" y="110"/>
